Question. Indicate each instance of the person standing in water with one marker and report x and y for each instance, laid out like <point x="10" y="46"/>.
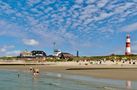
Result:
<point x="18" y="75"/>
<point x="35" y="71"/>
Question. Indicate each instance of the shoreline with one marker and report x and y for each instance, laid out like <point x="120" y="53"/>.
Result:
<point x="116" y="72"/>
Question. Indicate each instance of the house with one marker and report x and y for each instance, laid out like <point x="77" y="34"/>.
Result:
<point x="31" y="55"/>
<point x="56" y="52"/>
<point x="25" y="54"/>
<point x="37" y="53"/>
<point x="64" y="55"/>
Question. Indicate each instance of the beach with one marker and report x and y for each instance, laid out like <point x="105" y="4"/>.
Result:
<point x="118" y="72"/>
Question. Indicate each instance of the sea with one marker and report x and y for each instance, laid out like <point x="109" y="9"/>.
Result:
<point x="22" y="80"/>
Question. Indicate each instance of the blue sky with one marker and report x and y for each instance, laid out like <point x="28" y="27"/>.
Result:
<point x="94" y="27"/>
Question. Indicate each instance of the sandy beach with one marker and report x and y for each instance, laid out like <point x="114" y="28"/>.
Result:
<point x="125" y="72"/>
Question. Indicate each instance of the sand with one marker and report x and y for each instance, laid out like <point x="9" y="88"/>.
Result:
<point x="126" y="72"/>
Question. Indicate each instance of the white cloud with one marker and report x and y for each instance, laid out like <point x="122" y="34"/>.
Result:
<point x="32" y="2"/>
<point x="121" y="8"/>
<point x="134" y="47"/>
<point x="30" y="42"/>
<point x="12" y="53"/>
<point x="48" y="23"/>
<point x="102" y="3"/>
<point x="80" y="16"/>
<point x="79" y="1"/>
<point x="3" y="50"/>
<point x="8" y="50"/>
<point x="129" y="28"/>
<point x="11" y="29"/>
<point x="90" y="1"/>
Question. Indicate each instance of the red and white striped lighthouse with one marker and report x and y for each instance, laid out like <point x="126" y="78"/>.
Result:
<point x="128" y="47"/>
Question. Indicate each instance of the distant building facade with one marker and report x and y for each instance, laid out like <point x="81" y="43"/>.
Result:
<point x="37" y="53"/>
<point x="62" y="55"/>
<point x="56" y="52"/>
<point x="32" y="54"/>
<point x="25" y="54"/>
<point x="41" y="54"/>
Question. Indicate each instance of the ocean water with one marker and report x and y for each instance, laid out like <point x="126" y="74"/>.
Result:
<point x="9" y="80"/>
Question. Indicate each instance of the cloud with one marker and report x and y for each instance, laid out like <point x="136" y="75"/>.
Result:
<point x="134" y="47"/>
<point x="3" y="50"/>
<point x="79" y="1"/>
<point x="30" y="42"/>
<point x="11" y="29"/>
<point x="12" y="53"/>
<point x="102" y="3"/>
<point x="8" y="50"/>
<point x="129" y="28"/>
<point x="76" y="17"/>
<point x="64" y="21"/>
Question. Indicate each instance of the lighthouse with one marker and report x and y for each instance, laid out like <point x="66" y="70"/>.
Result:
<point x="128" y="47"/>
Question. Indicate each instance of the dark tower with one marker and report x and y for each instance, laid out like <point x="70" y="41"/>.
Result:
<point x="77" y="53"/>
<point x="54" y="47"/>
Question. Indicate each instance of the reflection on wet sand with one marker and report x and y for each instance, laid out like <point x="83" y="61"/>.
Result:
<point x="128" y="84"/>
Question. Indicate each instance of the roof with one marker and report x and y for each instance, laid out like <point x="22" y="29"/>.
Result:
<point x="65" y="55"/>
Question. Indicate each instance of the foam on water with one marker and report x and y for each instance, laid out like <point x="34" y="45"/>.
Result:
<point x="9" y="80"/>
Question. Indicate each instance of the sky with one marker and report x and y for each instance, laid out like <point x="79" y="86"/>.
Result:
<point x="93" y="27"/>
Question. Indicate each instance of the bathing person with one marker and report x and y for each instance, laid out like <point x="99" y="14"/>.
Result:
<point x="30" y="68"/>
<point x="35" y="71"/>
<point x="18" y="75"/>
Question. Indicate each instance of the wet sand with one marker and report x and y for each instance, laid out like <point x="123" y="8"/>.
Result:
<point x="127" y="72"/>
